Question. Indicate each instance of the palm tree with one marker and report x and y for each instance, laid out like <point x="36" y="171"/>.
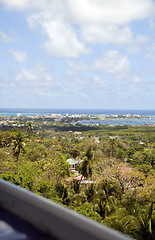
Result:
<point x="86" y="165"/>
<point x="76" y="186"/>
<point x="132" y="220"/>
<point x="105" y="198"/>
<point x="112" y="143"/>
<point x="85" y="168"/>
<point x="146" y="222"/>
<point x="89" y="153"/>
<point x="90" y="193"/>
<point x="30" y="128"/>
<point x="17" y="145"/>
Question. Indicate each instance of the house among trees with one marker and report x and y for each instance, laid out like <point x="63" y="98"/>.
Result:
<point x="72" y="163"/>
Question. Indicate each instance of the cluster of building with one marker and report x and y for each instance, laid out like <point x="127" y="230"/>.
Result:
<point x="19" y="120"/>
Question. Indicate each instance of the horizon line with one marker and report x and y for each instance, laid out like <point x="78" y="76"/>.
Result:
<point x="35" y="108"/>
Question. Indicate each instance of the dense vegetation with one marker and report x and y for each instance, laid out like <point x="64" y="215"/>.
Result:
<point x="119" y="161"/>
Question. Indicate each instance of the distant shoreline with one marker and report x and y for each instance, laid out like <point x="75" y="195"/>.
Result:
<point x="89" y="119"/>
<point x="63" y="112"/>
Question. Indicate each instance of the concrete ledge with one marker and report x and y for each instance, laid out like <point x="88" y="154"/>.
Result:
<point x="51" y="218"/>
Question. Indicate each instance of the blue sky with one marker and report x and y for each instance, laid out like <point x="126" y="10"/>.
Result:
<point x="95" y="54"/>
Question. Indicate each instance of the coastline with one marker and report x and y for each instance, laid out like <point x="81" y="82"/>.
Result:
<point x="85" y="117"/>
<point x="69" y="112"/>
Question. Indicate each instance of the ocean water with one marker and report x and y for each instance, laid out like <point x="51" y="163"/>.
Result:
<point x="119" y="121"/>
<point x="149" y="114"/>
<point x="34" y="112"/>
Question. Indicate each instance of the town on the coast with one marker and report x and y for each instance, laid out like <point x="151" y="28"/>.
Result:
<point x="20" y="119"/>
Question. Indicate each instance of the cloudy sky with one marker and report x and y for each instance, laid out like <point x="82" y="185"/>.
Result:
<point x="97" y="54"/>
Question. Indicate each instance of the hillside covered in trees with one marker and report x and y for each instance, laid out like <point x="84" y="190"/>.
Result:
<point x="114" y="179"/>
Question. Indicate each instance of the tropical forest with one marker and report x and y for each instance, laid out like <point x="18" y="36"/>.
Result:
<point x="106" y="173"/>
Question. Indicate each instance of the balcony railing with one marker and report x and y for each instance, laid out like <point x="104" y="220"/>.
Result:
<point x="50" y="218"/>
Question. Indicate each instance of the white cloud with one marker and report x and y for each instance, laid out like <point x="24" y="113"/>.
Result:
<point x="26" y="4"/>
<point x="90" y="11"/>
<point x="20" y="57"/>
<point x="34" y="77"/>
<point x="7" y="38"/>
<point x="112" y="62"/>
<point x="63" y="40"/>
<point x="106" y="34"/>
<point x="111" y="11"/>
<point x="108" y="21"/>
<point x="16" y="4"/>
<point x="62" y="37"/>
<point x="68" y="24"/>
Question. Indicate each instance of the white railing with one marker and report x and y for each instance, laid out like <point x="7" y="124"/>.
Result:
<point x="54" y="219"/>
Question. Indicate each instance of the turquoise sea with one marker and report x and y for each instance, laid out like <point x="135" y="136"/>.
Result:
<point x="149" y="114"/>
<point x="119" y="121"/>
<point x="34" y="112"/>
